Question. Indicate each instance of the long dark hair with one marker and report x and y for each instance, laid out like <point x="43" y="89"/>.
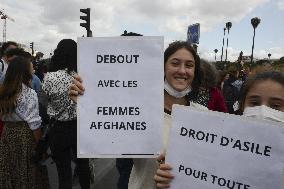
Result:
<point x="263" y="76"/>
<point x="18" y="73"/>
<point x="65" y="56"/>
<point x="209" y="75"/>
<point x="175" y="46"/>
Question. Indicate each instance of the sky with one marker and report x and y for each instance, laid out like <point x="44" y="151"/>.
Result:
<point x="47" y="22"/>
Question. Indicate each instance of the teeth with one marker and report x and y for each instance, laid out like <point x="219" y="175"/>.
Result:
<point x="180" y="79"/>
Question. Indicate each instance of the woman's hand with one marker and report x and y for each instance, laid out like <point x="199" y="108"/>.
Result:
<point x="76" y="88"/>
<point x="163" y="177"/>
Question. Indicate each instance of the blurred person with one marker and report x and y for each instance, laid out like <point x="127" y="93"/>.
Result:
<point x="182" y="75"/>
<point x="209" y="95"/>
<point x="231" y="89"/>
<point x="9" y="54"/>
<point x="222" y="77"/>
<point x="60" y="108"/>
<point x="20" y="114"/>
<point x="262" y="98"/>
<point x="4" y="62"/>
<point x="9" y="50"/>
<point x="36" y="83"/>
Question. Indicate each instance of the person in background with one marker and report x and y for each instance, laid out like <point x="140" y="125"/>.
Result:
<point x="60" y="108"/>
<point x="9" y="50"/>
<point x="231" y="89"/>
<point x="9" y="55"/>
<point x="222" y="77"/>
<point x="36" y="83"/>
<point x="20" y="114"/>
<point x="262" y="98"/>
<point x="209" y="95"/>
<point x="4" y="60"/>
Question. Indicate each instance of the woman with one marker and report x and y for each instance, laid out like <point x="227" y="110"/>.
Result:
<point x="182" y="76"/>
<point x="63" y="135"/>
<point x="262" y="98"/>
<point x="20" y="114"/>
<point x="209" y="95"/>
<point x="231" y="89"/>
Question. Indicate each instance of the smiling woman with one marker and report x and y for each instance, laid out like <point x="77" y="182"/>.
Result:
<point x="182" y="76"/>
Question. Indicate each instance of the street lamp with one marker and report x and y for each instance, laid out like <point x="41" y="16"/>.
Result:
<point x="223" y="44"/>
<point x="254" y="22"/>
<point x="215" y="50"/>
<point x="269" y="55"/>
<point x="228" y="26"/>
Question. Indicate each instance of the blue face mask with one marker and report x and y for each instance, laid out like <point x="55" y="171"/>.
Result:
<point x="264" y="112"/>
<point x="171" y="91"/>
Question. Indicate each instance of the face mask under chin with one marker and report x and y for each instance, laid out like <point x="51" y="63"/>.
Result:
<point x="264" y="112"/>
<point x="177" y="94"/>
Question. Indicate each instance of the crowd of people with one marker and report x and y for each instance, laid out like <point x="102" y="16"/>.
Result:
<point x="27" y="101"/>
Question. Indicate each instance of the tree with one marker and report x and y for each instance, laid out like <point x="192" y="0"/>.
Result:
<point x="254" y="22"/>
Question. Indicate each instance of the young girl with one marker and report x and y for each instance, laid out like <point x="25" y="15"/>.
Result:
<point x="20" y="114"/>
<point x="262" y="98"/>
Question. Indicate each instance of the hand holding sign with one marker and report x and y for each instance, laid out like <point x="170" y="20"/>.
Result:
<point x="76" y="88"/>
<point x="122" y="104"/>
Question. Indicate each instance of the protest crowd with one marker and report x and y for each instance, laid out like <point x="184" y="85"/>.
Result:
<point x="39" y="119"/>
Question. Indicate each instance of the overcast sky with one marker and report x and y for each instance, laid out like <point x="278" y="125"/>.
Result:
<point x="46" y="22"/>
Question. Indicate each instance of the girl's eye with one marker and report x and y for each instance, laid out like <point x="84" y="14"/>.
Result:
<point x="276" y="106"/>
<point x="189" y="65"/>
<point x="254" y="103"/>
<point x="175" y="63"/>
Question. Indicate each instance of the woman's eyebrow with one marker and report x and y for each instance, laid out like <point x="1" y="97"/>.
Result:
<point x="277" y="98"/>
<point x="253" y="96"/>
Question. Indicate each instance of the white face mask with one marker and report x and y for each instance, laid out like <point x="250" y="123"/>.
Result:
<point x="264" y="112"/>
<point x="174" y="92"/>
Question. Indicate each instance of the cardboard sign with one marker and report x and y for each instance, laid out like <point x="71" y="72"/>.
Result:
<point x="121" y="111"/>
<point x="213" y="150"/>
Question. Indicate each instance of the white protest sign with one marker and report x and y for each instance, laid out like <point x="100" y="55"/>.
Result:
<point x="121" y="111"/>
<point x="213" y="150"/>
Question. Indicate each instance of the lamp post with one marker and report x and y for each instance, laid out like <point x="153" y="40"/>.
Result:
<point x="223" y="44"/>
<point x="215" y="50"/>
<point x="228" y="26"/>
<point x="254" y="22"/>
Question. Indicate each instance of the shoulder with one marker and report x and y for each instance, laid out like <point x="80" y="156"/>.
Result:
<point x="35" y="78"/>
<point x="27" y="97"/>
<point x="28" y="92"/>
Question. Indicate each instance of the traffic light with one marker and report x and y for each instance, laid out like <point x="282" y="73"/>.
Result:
<point x="32" y="47"/>
<point x="86" y="18"/>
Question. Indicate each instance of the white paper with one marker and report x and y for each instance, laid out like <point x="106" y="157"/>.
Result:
<point x="134" y="96"/>
<point x="221" y="163"/>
